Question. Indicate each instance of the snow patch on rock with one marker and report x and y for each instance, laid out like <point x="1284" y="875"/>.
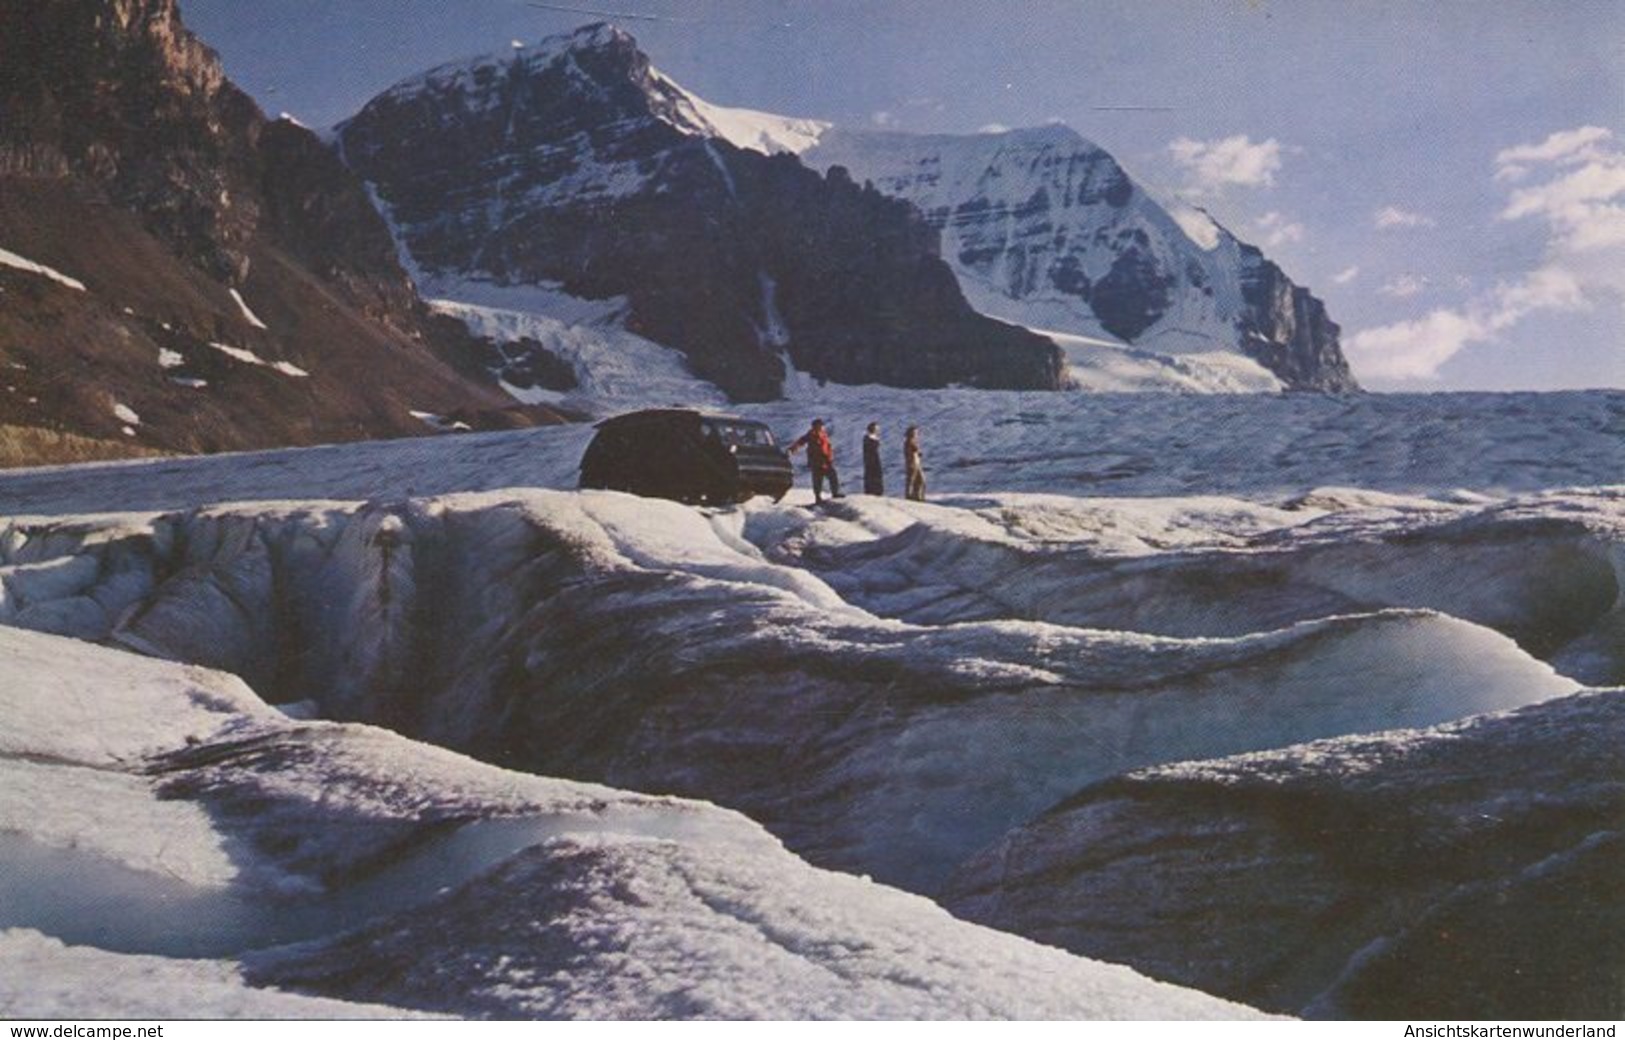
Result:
<point x="242" y="305"/>
<point x="10" y="259"/>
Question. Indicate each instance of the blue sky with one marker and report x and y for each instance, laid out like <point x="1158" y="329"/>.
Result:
<point x="1448" y="176"/>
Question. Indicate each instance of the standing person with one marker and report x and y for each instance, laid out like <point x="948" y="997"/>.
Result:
<point x="913" y="466"/>
<point x="820" y="459"/>
<point x="873" y="482"/>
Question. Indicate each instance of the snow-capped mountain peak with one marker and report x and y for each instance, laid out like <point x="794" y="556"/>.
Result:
<point x="574" y="166"/>
<point x="602" y="60"/>
<point x="1046" y="229"/>
<point x="475" y="71"/>
<point x="1039" y="226"/>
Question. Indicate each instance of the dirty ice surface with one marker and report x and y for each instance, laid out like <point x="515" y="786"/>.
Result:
<point x="1098" y="584"/>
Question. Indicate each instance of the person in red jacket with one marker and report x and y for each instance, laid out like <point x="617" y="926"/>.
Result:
<point x="820" y="459"/>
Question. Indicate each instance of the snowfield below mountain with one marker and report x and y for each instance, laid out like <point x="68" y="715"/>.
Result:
<point x="916" y="694"/>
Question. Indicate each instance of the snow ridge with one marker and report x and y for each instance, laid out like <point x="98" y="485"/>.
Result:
<point x="741" y="127"/>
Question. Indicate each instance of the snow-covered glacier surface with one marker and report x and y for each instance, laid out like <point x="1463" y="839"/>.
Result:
<point x="173" y="847"/>
<point x="1369" y="622"/>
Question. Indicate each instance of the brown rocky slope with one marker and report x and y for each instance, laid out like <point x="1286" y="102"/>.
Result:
<point x="131" y="165"/>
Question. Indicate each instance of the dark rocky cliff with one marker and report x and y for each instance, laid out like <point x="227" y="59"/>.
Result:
<point x="1286" y="329"/>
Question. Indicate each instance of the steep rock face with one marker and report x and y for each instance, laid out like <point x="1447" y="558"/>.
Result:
<point x="577" y="164"/>
<point x="122" y="95"/>
<point x="227" y="283"/>
<point x="1046" y="229"/>
<point x="1287" y="329"/>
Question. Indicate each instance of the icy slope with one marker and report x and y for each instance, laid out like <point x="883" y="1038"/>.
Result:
<point x="740" y="127"/>
<point x="614" y="370"/>
<point x="1468" y="871"/>
<point x="1104" y="366"/>
<point x="479" y="892"/>
<point x="653" y="646"/>
<point x="1546" y="570"/>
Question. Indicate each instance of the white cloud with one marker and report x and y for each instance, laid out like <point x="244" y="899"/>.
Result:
<point x="1565" y="147"/>
<point x="1604" y="229"/>
<point x="1406" y="285"/>
<point x="1560" y="199"/>
<point x="1212" y="166"/>
<point x="993" y="128"/>
<point x="1550" y="288"/>
<point x="1578" y="145"/>
<point x="1582" y="202"/>
<point x="1278" y="230"/>
<point x="1416" y="349"/>
<point x="1347" y="275"/>
<point x="1394" y="217"/>
<point x="1575" y="182"/>
<point x="883" y="118"/>
<point x="1412" y="349"/>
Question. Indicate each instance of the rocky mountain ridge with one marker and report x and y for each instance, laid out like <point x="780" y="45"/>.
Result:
<point x="575" y="164"/>
<point x="578" y="164"/>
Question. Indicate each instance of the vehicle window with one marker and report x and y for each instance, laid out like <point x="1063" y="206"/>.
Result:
<point x="740" y="434"/>
<point x="715" y="432"/>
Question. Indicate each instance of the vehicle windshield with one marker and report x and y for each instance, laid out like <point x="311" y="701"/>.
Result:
<point x="740" y="434"/>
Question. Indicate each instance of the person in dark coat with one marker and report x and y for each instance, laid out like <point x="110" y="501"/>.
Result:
<point x="913" y="465"/>
<point x="820" y="459"/>
<point x="873" y="482"/>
